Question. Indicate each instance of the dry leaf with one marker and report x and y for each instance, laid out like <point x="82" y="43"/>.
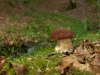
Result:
<point x="88" y="51"/>
<point x="19" y="69"/>
<point x="72" y="61"/>
<point x="3" y="73"/>
<point x="64" y="63"/>
<point x="95" y="63"/>
<point x="97" y="73"/>
<point x="85" y="51"/>
<point x="2" y="61"/>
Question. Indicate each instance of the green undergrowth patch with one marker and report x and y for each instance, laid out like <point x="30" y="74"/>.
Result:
<point x="10" y="3"/>
<point x="91" y="1"/>
<point x="30" y="2"/>
<point x="39" y="62"/>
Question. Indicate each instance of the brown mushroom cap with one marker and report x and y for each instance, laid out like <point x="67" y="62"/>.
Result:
<point x="61" y="33"/>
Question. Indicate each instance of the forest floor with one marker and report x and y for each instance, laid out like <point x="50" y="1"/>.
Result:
<point x="83" y="9"/>
<point x="25" y="30"/>
<point x="14" y="10"/>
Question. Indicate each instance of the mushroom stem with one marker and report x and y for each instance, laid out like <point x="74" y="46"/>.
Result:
<point x="64" y="45"/>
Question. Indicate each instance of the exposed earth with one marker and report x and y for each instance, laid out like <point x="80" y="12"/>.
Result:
<point x="83" y="9"/>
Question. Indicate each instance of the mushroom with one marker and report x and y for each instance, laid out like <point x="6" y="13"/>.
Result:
<point x="63" y="37"/>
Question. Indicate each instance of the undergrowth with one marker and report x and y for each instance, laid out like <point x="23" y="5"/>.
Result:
<point x="35" y="37"/>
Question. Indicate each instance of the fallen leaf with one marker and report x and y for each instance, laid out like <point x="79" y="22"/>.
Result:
<point x="97" y="73"/>
<point x="2" y="61"/>
<point x="19" y="69"/>
<point x="95" y="63"/>
<point x="3" y="73"/>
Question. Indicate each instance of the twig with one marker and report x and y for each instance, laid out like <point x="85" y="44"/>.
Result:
<point x="20" y="5"/>
<point x="47" y="68"/>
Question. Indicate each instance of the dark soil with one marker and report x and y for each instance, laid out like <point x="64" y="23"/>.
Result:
<point x="83" y="9"/>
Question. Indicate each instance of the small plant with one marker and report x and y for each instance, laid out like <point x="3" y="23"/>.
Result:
<point x="14" y="18"/>
<point x="26" y="13"/>
<point x="24" y="1"/>
<point x="98" y="4"/>
<point x="72" y="5"/>
<point x="11" y="3"/>
<point x="88" y="24"/>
